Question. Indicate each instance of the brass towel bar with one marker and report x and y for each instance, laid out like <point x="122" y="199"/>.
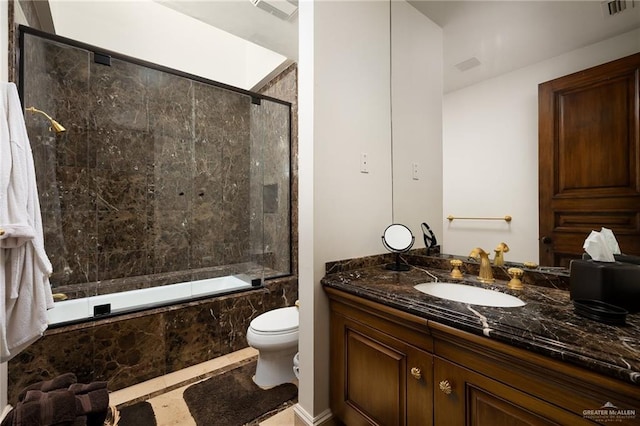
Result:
<point x="506" y="218"/>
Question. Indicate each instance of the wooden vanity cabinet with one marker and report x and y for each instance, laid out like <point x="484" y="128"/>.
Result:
<point x="381" y="365"/>
<point x="464" y="379"/>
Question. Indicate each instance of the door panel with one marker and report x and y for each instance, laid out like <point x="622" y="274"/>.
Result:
<point x="472" y="399"/>
<point x="377" y="379"/>
<point x="488" y="410"/>
<point x="589" y="167"/>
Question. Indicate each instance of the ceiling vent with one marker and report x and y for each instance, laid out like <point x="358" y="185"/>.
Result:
<point x="614" y="7"/>
<point x="283" y="9"/>
<point x="468" y="64"/>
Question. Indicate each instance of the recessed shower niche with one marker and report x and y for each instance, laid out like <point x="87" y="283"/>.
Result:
<point x="160" y="178"/>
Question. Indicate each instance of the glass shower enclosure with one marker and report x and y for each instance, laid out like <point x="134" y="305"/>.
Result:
<point x="160" y="178"/>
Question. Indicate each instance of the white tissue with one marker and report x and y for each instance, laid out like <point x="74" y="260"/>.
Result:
<point x="610" y="239"/>
<point x="601" y="246"/>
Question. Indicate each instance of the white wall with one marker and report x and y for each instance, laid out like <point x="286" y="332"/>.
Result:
<point x="490" y="152"/>
<point x="344" y="110"/>
<point x="417" y="120"/>
<point x="147" y="30"/>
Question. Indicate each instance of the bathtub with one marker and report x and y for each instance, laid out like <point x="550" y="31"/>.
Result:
<point x="74" y="310"/>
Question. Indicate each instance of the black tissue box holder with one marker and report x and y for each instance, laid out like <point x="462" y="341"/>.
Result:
<point x="615" y="283"/>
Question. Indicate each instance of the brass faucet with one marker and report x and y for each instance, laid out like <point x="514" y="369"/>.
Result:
<point x="502" y="248"/>
<point x="486" y="273"/>
<point x="58" y="297"/>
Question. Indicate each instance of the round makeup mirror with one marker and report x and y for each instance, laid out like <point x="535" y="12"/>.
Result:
<point x="397" y="238"/>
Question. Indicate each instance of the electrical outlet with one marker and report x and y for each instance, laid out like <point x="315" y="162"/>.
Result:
<point x="415" y="171"/>
<point x="364" y="162"/>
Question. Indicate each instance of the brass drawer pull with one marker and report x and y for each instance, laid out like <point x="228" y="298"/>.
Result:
<point x="416" y="373"/>
<point x="445" y="387"/>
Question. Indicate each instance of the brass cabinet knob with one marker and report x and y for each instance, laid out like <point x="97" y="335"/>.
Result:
<point x="416" y="373"/>
<point x="445" y="387"/>
<point x="1" y="231"/>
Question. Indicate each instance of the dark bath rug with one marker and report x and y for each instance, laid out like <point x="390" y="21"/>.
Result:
<point x="138" y="414"/>
<point x="232" y="399"/>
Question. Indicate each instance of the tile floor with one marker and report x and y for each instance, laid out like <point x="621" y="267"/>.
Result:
<point x="165" y="393"/>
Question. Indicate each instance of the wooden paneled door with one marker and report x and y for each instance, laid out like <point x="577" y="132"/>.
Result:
<point x="589" y="165"/>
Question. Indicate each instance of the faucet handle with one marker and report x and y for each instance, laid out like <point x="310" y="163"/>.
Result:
<point x="500" y="251"/>
<point x="455" y="272"/>
<point x="516" y="274"/>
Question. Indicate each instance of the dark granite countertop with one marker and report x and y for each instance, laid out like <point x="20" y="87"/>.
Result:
<point x="546" y="325"/>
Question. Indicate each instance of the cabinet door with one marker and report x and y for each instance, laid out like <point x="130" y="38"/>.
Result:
<point x="463" y="397"/>
<point x="377" y="379"/>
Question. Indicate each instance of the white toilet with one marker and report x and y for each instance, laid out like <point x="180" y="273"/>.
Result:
<point x="275" y="335"/>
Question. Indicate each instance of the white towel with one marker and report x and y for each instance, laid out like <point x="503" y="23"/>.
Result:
<point x="25" y="292"/>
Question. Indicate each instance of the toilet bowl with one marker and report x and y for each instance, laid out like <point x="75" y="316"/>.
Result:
<point x="274" y="334"/>
<point x="296" y="365"/>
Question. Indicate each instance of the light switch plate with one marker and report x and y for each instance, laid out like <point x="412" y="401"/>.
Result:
<point x="364" y="162"/>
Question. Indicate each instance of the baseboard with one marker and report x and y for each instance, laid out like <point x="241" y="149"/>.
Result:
<point x="303" y="418"/>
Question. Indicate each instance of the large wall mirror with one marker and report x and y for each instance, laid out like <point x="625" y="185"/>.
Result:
<point x="488" y="163"/>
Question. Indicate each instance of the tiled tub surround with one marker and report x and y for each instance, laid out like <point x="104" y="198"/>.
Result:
<point x="130" y="349"/>
<point x="157" y="174"/>
<point x="547" y="323"/>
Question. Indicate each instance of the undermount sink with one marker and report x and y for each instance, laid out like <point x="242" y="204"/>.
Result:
<point x="470" y="294"/>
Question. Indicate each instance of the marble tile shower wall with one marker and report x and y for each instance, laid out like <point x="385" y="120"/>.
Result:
<point x="152" y="176"/>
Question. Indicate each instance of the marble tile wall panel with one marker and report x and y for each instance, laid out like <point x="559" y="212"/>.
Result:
<point x="52" y="355"/>
<point x="61" y="161"/>
<point x="193" y="335"/>
<point x="122" y="352"/>
<point x="135" y="347"/>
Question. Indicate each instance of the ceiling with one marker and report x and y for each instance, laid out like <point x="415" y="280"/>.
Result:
<point x="507" y="35"/>
<point x="501" y="35"/>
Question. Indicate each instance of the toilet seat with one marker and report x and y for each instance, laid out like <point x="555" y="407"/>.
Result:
<point x="276" y="321"/>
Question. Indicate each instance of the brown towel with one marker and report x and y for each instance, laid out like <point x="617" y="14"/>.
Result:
<point x="92" y="403"/>
<point x="60" y="382"/>
<point x="80" y="421"/>
<point x="60" y="401"/>
<point x="39" y="408"/>
<point x="80" y="388"/>
<point x="94" y="406"/>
